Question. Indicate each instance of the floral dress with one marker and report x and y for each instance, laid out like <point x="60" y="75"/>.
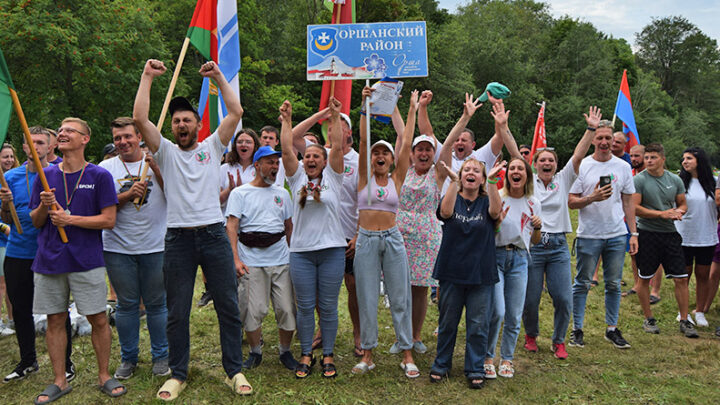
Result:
<point x="419" y="225"/>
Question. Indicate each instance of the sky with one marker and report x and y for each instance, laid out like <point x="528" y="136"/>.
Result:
<point x="624" y="18"/>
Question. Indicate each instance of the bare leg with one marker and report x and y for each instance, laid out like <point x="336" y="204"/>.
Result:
<point x="656" y="281"/>
<point x="285" y="337"/>
<point x="713" y="282"/>
<point x="56" y="339"/>
<point x="702" y="285"/>
<point x="644" y="296"/>
<point x="682" y="295"/>
<point x="101" y="340"/>
<point x="633" y="264"/>
<point x="407" y="354"/>
<point x="419" y="310"/>
<point x="253" y="337"/>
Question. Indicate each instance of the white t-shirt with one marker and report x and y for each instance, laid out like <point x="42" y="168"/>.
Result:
<point x="516" y="229"/>
<point x="317" y="226"/>
<point x="261" y="209"/>
<point x="192" y="183"/>
<point x="699" y="225"/>
<point x="246" y="176"/>
<point x="603" y="219"/>
<point x="554" y="199"/>
<point x="484" y="154"/>
<point x="136" y="231"/>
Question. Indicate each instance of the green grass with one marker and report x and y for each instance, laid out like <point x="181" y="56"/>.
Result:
<point x="658" y="369"/>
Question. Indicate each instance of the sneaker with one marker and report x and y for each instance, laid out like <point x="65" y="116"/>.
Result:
<point x="559" y="351"/>
<point x="530" y="344"/>
<point x="616" y="338"/>
<point x="205" y="299"/>
<point x="6" y="330"/>
<point x="576" y="338"/>
<point x="650" y="326"/>
<point x="395" y="348"/>
<point x="506" y="370"/>
<point x="288" y="360"/>
<point x="436" y="331"/>
<point x="700" y="319"/>
<point x="688" y="329"/>
<point x="21" y="372"/>
<point x="253" y="360"/>
<point x="419" y="347"/>
<point x="161" y="367"/>
<point x="125" y="370"/>
<point x="70" y="371"/>
<point x="689" y="318"/>
<point x="490" y="373"/>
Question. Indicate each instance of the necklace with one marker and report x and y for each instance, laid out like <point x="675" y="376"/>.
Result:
<point x="27" y="181"/>
<point x="68" y="199"/>
<point x="128" y="170"/>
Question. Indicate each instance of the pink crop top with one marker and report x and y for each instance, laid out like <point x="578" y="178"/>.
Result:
<point x="383" y="198"/>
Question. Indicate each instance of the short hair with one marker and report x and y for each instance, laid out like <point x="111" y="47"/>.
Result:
<point x="605" y="124"/>
<point x="469" y="131"/>
<point x="621" y="134"/>
<point x="122" y="122"/>
<point x="37" y="130"/>
<point x="524" y="146"/>
<point x="655" y="147"/>
<point x="638" y="146"/>
<point x="82" y="123"/>
<point x="318" y="137"/>
<point x="270" y="128"/>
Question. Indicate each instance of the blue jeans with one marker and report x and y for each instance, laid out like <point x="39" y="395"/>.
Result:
<point x="509" y="300"/>
<point x="134" y="277"/>
<point x="550" y="262"/>
<point x="185" y="250"/>
<point x="317" y="277"/>
<point x="588" y="254"/>
<point x="383" y="252"/>
<point x="477" y="300"/>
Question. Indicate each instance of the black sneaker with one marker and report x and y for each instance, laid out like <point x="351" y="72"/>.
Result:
<point x="288" y="360"/>
<point x="688" y="329"/>
<point x="253" y="360"/>
<point x="615" y="337"/>
<point x="205" y="299"/>
<point x="69" y="371"/>
<point x="576" y="338"/>
<point x="21" y="372"/>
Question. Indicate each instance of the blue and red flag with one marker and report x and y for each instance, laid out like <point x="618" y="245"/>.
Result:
<point x="624" y="111"/>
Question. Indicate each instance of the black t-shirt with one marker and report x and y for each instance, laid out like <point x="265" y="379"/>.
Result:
<point x="467" y="251"/>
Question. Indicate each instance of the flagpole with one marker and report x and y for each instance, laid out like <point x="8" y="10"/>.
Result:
<point x="13" y="211"/>
<point x="337" y="21"/>
<point x="367" y="124"/>
<point x="36" y="158"/>
<point x="166" y="105"/>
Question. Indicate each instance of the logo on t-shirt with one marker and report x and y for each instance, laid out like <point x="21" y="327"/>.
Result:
<point x="552" y="186"/>
<point x="524" y="221"/>
<point x="381" y="194"/>
<point x="202" y="157"/>
<point x="349" y="171"/>
<point x="278" y="201"/>
<point x="127" y="182"/>
<point x="86" y="186"/>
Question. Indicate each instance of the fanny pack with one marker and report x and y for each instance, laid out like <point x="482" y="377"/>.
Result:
<point x="260" y="239"/>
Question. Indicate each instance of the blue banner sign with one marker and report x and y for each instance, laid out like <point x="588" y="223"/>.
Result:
<point x="365" y="51"/>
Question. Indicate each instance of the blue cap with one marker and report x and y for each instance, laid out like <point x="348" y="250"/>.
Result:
<point x="265" y="151"/>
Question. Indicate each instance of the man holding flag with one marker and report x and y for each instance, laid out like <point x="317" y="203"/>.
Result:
<point x="195" y="234"/>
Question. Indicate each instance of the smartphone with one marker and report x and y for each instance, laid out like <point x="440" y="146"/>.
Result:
<point x="605" y="180"/>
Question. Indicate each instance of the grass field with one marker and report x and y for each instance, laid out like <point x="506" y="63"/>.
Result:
<point x="658" y="369"/>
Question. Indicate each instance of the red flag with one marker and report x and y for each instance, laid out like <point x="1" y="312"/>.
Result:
<point x="624" y="111"/>
<point x="342" y="87"/>
<point x="539" y="140"/>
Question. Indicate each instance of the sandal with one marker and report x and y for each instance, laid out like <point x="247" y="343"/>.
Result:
<point x="409" y="368"/>
<point x="328" y="369"/>
<point x="629" y="292"/>
<point x="239" y="381"/>
<point x="172" y="387"/>
<point x="362" y="368"/>
<point x="110" y="385"/>
<point x="358" y="352"/>
<point x="53" y="393"/>
<point x="304" y="370"/>
<point x="506" y="370"/>
<point x="490" y="373"/>
<point x="436" y="377"/>
<point x="476" y="383"/>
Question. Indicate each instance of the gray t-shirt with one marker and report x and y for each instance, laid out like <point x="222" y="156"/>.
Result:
<point x="658" y="193"/>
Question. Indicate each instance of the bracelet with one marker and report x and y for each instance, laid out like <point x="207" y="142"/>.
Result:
<point x="591" y="129"/>
<point x="634" y="234"/>
<point x="498" y="229"/>
<point x="537" y="229"/>
<point x="493" y="182"/>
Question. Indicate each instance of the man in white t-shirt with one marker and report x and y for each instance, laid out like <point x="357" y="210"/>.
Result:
<point x="134" y="248"/>
<point x="195" y="234"/>
<point x="270" y="136"/>
<point x="259" y="216"/>
<point x="603" y="194"/>
<point x="348" y="204"/>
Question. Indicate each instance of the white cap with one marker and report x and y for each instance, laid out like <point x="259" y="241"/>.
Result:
<point x="424" y="138"/>
<point x="347" y="120"/>
<point x="385" y="144"/>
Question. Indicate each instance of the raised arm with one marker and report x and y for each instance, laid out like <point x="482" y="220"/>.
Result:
<point x="501" y="128"/>
<point x="592" y="119"/>
<point x="298" y="132"/>
<point x="363" y="157"/>
<point x="151" y="135"/>
<point x="447" y="205"/>
<point x="399" y="126"/>
<point x="495" y="207"/>
<point x="335" y="159"/>
<point x="403" y="161"/>
<point x="289" y="160"/>
<point x="227" y="127"/>
<point x="469" y="108"/>
<point x="423" y="120"/>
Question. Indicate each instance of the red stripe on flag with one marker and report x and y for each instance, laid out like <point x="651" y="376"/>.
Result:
<point x="539" y="140"/>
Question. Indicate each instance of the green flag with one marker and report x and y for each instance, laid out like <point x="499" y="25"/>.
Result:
<point x="6" y="105"/>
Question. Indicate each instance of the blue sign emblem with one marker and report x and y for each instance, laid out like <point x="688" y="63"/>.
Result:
<point x="323" y="40"/>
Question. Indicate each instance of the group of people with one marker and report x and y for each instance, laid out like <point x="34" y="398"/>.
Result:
<point x="425" y="214"/>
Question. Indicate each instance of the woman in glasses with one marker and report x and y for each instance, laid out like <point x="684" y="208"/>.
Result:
<point x="550" y="257"/>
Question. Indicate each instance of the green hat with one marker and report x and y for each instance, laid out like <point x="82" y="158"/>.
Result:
<point x="497" y="90"/>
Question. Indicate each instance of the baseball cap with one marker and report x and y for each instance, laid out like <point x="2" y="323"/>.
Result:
<point x="347" y="120"/>
<point x="265" y="151"/>
<point x="497" y="90"/>
<point x="424" y="138"/>
<point x="180" y="104"/>
<point x="108" y="149"/>
<point x="385" y="144"/>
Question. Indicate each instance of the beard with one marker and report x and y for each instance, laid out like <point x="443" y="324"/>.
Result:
<point x="189" y="142"/>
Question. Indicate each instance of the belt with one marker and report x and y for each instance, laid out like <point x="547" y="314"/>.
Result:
<point x="510" y="247"/>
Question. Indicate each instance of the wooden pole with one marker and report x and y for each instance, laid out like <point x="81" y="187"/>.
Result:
<point x="36" y="158"/>
<point x="337" y="21"/>
<point x="13" y="212"/>
<point x="166" y="105"/>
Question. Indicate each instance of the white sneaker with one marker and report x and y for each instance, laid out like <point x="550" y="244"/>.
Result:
<point x="6" y="330"/>
<point x="700" y="319"/>
<point x="689" y="318"/>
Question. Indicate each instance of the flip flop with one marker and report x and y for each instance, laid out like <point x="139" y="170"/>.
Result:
<point x="238" y="381"/>
<point x="654" y="299"/>
<point x="110" y="385"/>
<point x="408" y="368"/>
<point x="53" y="392"/>
<point x="629" y="292"/>
<point x="362" y="367"/>
<point x="358" y="352"/>
<point x="172" y="387"/>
